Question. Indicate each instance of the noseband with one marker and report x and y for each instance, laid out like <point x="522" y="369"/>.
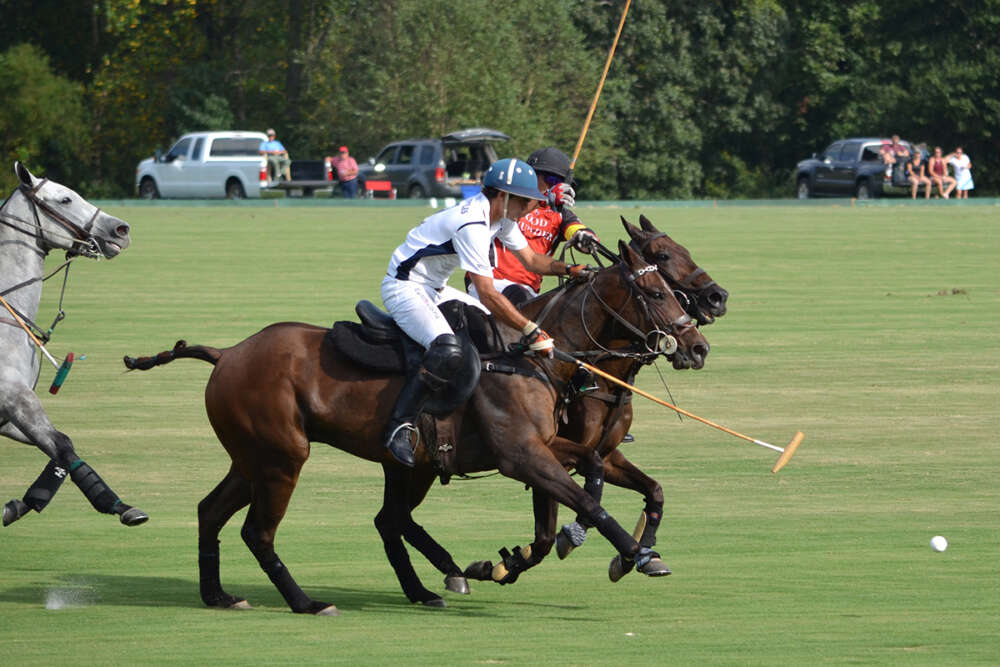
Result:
<point x="80" y="236"/>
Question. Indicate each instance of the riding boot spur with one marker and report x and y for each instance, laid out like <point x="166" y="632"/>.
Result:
<point x="443" y="358"/>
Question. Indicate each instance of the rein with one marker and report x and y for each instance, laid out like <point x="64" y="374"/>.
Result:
<point x="80" y="235"/>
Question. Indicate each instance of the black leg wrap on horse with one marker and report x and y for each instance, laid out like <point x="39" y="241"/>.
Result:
<point x="93" y="487"/>
<point x="276" y="571"/>
<point x="614" y="533"/>
<point x="40" y="494"/>
<point x="208" y="568"/>
<point x="593" y="484"/>
<point x="654" y="512"/>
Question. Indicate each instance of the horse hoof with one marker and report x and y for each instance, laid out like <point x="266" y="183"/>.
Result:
<point x="481" y="570"/>
<point x="13" y="511"/>
<point x="456" y="584"/>
<point x="570" y="537"/>
<point x="317" y="608"/>
<point x="563" y="545"/>
<point x="222" y="600"/>
<point x="618" y="568"/>
<point x="134" y="517"/>
<point x="654" y="567"/>
<point x="437" y="603"/>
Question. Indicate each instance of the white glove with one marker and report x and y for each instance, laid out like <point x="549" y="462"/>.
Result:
<point x="561" y="194"/>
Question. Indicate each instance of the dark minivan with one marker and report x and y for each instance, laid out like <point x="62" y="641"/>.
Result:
<point x="447" y="167"/>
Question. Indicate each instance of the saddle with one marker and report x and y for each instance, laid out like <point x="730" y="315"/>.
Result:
<point x="377" y="343"/>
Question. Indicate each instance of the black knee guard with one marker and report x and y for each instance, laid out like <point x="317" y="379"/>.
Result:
<point x="441" y="361"/>
<point x="93" y="487"/>
<point x="41" y="492"/>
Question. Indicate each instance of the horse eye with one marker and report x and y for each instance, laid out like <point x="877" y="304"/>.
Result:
<point x="662" y="257"/>
<point x="65" y="200"/>
<point x="657" y="295"/>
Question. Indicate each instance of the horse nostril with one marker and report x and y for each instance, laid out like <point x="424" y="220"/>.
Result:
<point x="122" y="230"/>
<point x="700" y="351"/>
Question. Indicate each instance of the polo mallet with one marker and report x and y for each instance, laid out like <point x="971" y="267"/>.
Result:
<point x="786" y="452"/>
<point x="597" y="95"/>
<point x="61" y="370"/>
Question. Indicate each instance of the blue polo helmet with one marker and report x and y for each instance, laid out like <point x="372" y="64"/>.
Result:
<point x="513" y="176"/>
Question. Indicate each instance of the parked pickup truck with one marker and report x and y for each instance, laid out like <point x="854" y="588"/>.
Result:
<point x="207" y="165"/>
<point x="850" y="168"/>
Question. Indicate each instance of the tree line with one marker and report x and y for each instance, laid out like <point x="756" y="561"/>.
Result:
<point x="703" y="100"/>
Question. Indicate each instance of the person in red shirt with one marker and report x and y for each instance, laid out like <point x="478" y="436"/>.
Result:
<point x="347" y="172"/>
<point x="550" y="223"/>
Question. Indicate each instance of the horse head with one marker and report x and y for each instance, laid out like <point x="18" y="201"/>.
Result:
<point x="652" y="299"/>
<point x="624" y="310"/>
<point x="60" y="218"/>
<point x="705" y="300"/>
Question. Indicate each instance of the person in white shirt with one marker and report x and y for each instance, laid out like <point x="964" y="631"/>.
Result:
<point x="962" y="165"/>
<point x="416" y="282"/>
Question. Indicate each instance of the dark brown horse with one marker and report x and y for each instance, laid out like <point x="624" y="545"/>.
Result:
<point x="286" y="386"/>
<point x="598" y="420"/>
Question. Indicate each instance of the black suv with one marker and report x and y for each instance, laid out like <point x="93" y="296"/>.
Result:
<point x="423" y="168"/>
<point x="851" y="168"/>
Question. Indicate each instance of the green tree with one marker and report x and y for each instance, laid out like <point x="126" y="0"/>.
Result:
<point x="43" y="120"/>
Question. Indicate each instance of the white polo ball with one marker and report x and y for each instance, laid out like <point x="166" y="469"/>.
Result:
<point x="938" y="543"/>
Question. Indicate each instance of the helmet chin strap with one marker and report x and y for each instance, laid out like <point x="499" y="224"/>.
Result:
<point x="506" y="201"/>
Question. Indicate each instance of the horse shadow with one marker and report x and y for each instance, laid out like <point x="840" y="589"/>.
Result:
<point x="81" y="590"/>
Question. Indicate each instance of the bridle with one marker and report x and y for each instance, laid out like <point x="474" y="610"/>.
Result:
<point x="647" y="345"/>
<point x="82" y="242"/>
<point x="686" y="284"/>
<point x="80" y="235"/>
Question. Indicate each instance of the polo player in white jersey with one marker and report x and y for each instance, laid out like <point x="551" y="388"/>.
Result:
<point x="416" y="282"/>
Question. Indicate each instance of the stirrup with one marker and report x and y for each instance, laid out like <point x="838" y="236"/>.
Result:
<point x="406" y="455"/>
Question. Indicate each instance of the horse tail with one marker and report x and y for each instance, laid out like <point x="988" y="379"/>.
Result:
<point x="180" y="351"/>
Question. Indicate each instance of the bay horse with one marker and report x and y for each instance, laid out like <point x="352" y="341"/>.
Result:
<point x="38" y="217"/>
<point x="598" y="420"/>
<point x="272" y="394"/>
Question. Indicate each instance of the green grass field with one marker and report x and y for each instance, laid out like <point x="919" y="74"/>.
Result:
<point x="871" y="329"/>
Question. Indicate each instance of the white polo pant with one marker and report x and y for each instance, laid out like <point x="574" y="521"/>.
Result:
<point x="414" y="307"/>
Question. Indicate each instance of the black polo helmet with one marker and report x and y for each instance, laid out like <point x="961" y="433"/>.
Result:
<point x="550" y="160"/>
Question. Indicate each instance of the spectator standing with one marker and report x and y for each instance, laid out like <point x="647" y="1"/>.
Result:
<point x="277" y="157"/>
<point x="899" y="154"/>
<point x="938" y="171"/>
<point x="962" y="165"/>
<point x="916" y="172"/>
<point x="347" y="172"/>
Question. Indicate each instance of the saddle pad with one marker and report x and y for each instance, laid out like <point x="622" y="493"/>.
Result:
<point x="385" y="357"/>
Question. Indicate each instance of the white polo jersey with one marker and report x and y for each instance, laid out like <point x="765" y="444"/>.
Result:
<point x="460" y="236"/>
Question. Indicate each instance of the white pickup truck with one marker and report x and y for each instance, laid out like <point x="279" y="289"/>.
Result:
<point x="211" y="165"/>
<point x="206" y="165"/>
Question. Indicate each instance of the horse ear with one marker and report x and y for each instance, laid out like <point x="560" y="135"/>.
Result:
<point x="629" y="256"/>
<point x="632" y="230"/>
<point x="23" y="174"/>
<point x="646" y="224"/>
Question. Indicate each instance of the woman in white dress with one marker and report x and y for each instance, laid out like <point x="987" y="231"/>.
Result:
<point x="962" y="165"/>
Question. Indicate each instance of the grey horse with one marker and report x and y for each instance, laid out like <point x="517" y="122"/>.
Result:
<point x="40" y="216"/>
